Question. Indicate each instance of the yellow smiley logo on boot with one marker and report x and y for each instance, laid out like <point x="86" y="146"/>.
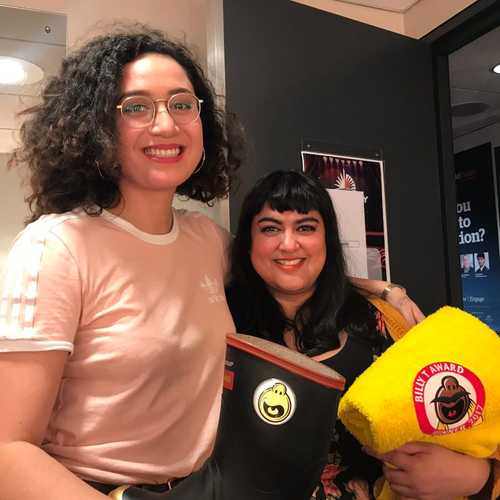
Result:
<point x="274" y="401"/>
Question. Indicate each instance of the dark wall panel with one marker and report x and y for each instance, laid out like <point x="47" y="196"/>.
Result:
<point x="293" y="72"/>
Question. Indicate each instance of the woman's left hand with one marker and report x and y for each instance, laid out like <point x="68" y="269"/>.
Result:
<point x="397" y="297"/>
<point x="425" y="471"/>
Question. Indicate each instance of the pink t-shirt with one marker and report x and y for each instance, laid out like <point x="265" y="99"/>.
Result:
<point x="144" y="318"/>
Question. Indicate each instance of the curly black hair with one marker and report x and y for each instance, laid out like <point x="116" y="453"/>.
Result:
<point x="69" y="140"/>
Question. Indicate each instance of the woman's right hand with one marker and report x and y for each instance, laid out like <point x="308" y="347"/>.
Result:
<point x="427" y="471"/>
<point x="398" y="298"/>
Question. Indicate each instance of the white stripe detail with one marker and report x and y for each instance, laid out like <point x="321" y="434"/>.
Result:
<point x="20" y="292"/>
<point x="15" y="309"/>
<point x="29" y="313"/>
<point x="35" y="345"/>
<point x="31" y="290"/>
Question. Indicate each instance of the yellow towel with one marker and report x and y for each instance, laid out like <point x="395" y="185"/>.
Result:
<point x="440" y="383"/>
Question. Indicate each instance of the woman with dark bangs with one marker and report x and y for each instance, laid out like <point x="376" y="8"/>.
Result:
<point x="113" y="315"/>
<point x="289" y="285"/>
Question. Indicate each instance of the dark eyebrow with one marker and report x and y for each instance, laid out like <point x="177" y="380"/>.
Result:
<point x="179" y="90"/>
<point x="299" y="221"/>
<point x="268" y="219"/>
<point x="307" y="219"/>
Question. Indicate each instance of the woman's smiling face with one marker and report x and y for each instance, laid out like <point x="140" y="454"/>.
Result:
<point x="288" y="250"/>
<point x="162" y="155"/>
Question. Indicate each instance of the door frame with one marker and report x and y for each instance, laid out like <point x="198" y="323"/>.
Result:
<point x="465" y="27"/>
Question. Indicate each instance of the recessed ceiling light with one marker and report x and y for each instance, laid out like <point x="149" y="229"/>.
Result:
<point x="496" y="69"/>
<point x="14" y="71"/>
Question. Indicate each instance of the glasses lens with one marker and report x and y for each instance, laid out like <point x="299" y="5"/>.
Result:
<point x="184" y="108"/>
<point x="138" y="110"/>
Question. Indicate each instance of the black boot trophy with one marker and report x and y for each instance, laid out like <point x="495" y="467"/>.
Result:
<point x="278" y="412"/>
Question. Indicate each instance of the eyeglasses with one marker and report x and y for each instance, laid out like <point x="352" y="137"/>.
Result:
<point x="139" y="111"/>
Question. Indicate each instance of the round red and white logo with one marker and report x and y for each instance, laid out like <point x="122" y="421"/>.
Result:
<point x="448" y="398"/>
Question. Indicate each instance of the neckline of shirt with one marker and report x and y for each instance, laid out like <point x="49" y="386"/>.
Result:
<point x="154" y="239"/>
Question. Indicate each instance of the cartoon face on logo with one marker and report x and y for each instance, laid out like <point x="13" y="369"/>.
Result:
<point x="274" y="401"/>
<point x="448" y="397"/>
<point x="452" y="401"/>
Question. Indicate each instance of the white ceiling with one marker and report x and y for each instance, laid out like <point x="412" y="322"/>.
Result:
<point x="472" y="81"/>
<point x="391" y="5"/>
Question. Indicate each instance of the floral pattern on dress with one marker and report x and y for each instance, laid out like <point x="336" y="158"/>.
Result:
<point x="330" y="488"/>
<point x="338" y="481"/>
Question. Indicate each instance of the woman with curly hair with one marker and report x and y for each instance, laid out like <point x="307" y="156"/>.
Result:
<point x="113" y="315"/>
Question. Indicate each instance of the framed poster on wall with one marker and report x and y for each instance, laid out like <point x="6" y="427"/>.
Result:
<point x="355" y="183"/>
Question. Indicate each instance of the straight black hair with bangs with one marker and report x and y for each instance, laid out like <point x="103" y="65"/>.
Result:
<point x="255" y="310"/>
<point x="289" y="190"/>
<point x="335" y="304"/>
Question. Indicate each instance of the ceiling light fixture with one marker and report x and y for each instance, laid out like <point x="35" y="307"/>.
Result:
<point x="14" y="71"/>
<point x="496" y="69"/>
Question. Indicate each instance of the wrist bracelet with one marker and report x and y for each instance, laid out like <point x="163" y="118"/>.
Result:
<point x="390" y="286"/>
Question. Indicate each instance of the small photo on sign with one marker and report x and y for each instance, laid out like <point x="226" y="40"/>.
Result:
<point x="481" y="263"/>
<point x="467" y="264"/>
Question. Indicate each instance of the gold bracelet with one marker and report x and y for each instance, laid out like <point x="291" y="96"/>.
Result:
<point x="390" y="286"/>
<point x="117" y="493"/>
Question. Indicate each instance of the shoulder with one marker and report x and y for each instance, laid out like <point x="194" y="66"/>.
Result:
<point x="46" y="228"/>
<point x="51" y="237"/>
<point x="61" y="225"/>
<point x="199" y="225"/>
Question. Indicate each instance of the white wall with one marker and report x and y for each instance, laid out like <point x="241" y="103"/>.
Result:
<point x="176" y="17"/>
<point x="181" y="19"/>
<point x="13" y="210"/>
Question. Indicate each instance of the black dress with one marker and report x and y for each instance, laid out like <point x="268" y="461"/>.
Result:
<point x="346" y="460"/>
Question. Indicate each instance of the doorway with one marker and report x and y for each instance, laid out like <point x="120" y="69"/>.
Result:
<point x="468" y="103"/>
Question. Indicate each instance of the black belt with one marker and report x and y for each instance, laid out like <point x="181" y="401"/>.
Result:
<point x="158" y="488"/>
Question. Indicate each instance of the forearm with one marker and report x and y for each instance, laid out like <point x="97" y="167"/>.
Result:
<point x="31" y="474"/>
<point x="374" y="287"/>
<point x="426" y="470"/>
<point x="394" y="294"/>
